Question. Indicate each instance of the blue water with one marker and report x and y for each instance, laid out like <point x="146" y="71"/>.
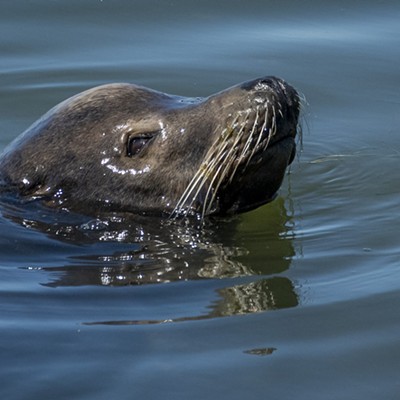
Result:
<point x="298" y="299"/>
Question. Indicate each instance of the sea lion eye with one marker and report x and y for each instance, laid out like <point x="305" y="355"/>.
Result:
<point x="137" y="143"/>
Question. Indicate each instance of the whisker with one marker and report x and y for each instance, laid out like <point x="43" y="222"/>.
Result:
<point x="237" y="140"/>
<point x="247" y="144"/>
<point x="208" y="203"/>
<point x="202" y="174"/>
<point x="227" y="162"/>
<point x="260" y="135"/>
<point x="271" y="130"/>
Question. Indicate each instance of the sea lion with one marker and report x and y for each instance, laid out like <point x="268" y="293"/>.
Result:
<point x="123" y="147"/>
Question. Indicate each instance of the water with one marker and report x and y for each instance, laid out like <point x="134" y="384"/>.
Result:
<point x="298" y="299"/>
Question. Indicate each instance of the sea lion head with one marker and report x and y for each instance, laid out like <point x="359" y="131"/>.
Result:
<point x="122" y="147"/>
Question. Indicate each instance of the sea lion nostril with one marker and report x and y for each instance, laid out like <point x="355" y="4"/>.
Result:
<point x="261" y="84"/>
<point x="268" y="81"/>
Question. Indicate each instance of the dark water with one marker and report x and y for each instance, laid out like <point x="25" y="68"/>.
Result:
<point x="299" y="299"/>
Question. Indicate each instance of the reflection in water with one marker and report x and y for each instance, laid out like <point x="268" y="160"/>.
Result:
<point x="265" y="351"/>
<point x="121" y="250"/>
<point x="258" y="296"/>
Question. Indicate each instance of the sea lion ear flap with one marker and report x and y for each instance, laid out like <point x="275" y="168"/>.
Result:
<point x="38" y="192"/>
<point x="35" y="191"/>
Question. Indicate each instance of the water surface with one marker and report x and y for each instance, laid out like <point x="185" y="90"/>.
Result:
<point x="298" y="299"/>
